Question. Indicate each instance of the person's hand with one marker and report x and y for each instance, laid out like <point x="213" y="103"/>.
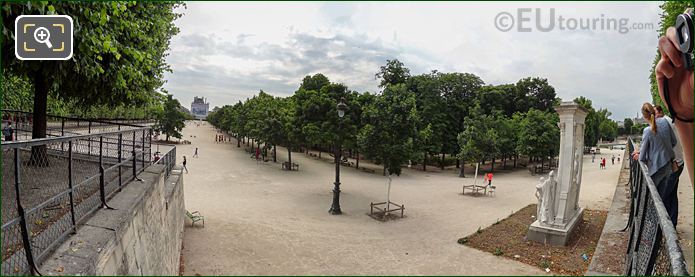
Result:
<point x="680" y="80"/>
<point x="635" y="155"/>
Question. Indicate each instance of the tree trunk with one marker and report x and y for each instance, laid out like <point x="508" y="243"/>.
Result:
<point x="424" y="162"/>
<point x="505" y="163"/>
<point x="357" y="165"/>
<point x="462" y="174"/>
<point x="319" y="152"/>
<point x="458" y="163"/>
<point x="38" y="130"/>
<point x="442" y="161"/>
<point x="515" y="158"/>
<point x="275" y="154"/>
<point x="492" y="165"/>
<point x="289" y="156"/>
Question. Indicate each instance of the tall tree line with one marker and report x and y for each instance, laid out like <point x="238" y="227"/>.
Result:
<point x="434" y="118"/>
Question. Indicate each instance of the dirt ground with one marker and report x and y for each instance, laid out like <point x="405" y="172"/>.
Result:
<point x="261" y="220"/>
<point x="507" y="239"/>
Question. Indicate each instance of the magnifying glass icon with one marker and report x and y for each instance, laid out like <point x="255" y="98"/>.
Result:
<point x="42" y="35"/>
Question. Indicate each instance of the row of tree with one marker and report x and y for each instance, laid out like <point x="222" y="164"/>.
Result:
<point x="413" y="119"/>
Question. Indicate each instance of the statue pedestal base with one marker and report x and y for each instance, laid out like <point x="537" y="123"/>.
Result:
<point x="554" y="235"/>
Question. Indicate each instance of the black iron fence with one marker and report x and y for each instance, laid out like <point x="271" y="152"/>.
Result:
<point x="168" y="160"/>
<point x="51" y="185"/>
<point x="58" y="126"/>
<point x="653" y="246"/>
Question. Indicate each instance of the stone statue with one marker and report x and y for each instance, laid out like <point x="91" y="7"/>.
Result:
<point x="545" y="192"/>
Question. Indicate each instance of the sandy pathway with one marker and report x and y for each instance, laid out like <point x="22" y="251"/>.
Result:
<point x="262" y="220"/>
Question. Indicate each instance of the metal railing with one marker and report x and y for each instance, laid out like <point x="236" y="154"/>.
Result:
<point x="168" y="160"/>
<point x="653" y="245"/>
<point x="58" y="126"/>
<point x="51" y="185"/>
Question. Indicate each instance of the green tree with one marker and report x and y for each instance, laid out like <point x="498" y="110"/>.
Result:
<point x="479" y="139"/>
<point x="592" y="123"/>
<point x="458" y="91"/>
<point x="392" y="73"/>
<point x="387" y="138"/>
<point x="315" y="82"/>
<point x="541" y="95"/>
<point x="539" y="136"/>
<point x="627" y="124"/>
<point x="171" y="120"/>
<point x="609" y="130"/>
<point x="433" y="119"/>
<point x="118" y="57"/>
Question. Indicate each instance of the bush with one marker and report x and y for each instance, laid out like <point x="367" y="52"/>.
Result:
<point x="498" y="252"/>
<point x="544" y="264"/>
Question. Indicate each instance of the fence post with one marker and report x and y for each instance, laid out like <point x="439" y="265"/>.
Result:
<point x="89" y="142"/>
<point x="135" y="162"/>
<point x="143" y="149"/>
<point x="24" y="228"/>
<point x="70" y="184"/>
<point x="62" y="133"/>
<point x="102" y="189"/>
<point x="120" y="159"/>
<point x="149" y="142"/>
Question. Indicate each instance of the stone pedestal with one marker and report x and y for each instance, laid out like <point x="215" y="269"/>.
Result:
<point x="559" y="210"/>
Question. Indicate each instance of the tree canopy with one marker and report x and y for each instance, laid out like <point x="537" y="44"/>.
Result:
<point x="118" y="55"/>
<point x="412" y="120"/>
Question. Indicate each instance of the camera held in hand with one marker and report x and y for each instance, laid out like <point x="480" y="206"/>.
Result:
<point x="684" y="30"/>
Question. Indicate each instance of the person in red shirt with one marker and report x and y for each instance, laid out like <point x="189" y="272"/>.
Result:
<point x="488" y="177"/>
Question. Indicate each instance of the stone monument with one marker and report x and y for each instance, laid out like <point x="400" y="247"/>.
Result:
<point x="558" y="209"/>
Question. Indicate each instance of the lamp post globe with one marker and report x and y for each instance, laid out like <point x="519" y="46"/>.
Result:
<point x="342" y="107"/>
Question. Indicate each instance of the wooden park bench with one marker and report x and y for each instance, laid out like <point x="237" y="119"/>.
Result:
<point x="195" y="217"/>
<point x="288" y="166"/>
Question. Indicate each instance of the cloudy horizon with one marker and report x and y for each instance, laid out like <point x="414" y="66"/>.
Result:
<point x="228" y="52"/>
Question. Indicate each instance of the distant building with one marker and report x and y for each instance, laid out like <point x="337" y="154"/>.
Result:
<point x="639" y="119"/>
<point x="199" y="107"/>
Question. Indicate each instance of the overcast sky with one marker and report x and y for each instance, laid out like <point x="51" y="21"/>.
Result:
<point x="229" y="51"/>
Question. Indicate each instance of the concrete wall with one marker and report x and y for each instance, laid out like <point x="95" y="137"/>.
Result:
<point x="142" y="235"/>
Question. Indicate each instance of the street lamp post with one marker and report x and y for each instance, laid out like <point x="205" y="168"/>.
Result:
<point x="335" y="207"/>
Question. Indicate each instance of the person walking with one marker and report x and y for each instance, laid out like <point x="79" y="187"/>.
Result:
<point x="671" y="188"/>
<point x="658" y="140"/>
<point x="593" y="157"/>
<point x="195" y="155"/>
<point x="613" y="159"/>
<point x="489" y="179"/>
<point x="7" y="132"/>
<point x="184" y="164"/>
<point x="603" y="163"/>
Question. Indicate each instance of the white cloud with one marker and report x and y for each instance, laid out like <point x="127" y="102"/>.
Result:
<point x="228" y="51"/>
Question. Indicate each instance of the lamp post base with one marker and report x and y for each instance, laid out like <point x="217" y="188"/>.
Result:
<point x="335" y="207"/>
<point x="335" y="211"/>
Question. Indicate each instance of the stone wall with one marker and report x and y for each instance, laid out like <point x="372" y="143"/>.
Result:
<point x="141" y="235"/>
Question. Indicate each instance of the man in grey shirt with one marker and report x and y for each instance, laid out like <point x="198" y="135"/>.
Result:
<point x="670" y="196"/>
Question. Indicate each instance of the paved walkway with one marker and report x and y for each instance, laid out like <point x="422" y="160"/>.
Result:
<point x="261" y="220"/>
